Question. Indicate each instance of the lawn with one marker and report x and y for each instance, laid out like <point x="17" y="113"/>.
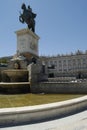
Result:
<point x="20" y="100"/>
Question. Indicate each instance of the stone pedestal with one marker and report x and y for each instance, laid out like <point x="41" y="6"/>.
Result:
<point x="27" y="43"/>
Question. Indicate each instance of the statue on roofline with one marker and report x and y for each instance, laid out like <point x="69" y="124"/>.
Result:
<point x="28" y="17"/>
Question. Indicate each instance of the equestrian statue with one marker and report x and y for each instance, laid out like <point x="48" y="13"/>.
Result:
<point x="28" y="17"/>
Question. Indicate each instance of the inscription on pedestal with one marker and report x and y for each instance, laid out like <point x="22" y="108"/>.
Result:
<point x="22" y="45"/>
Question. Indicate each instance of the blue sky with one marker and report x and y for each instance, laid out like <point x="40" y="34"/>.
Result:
<point x="60" y="24"/>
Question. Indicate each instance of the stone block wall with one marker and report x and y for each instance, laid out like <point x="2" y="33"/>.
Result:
<point x="35" y="76"/>
<point x="39" y="84"/>
<point x="60" y="88"/>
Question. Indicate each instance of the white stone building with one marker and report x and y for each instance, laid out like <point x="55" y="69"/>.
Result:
<point x="66" y="65"/>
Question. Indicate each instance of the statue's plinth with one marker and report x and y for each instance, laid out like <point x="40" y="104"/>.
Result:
<point x="27" y="42"/>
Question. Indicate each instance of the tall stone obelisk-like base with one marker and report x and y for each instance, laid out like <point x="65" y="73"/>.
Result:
<point x="27" y="43"/>
<point x="27" y="47"/>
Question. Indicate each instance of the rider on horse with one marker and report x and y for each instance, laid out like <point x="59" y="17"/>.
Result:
<point x="28" y="17"/>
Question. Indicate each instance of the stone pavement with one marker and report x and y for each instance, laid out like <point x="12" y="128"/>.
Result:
<point x="73" y="122"/>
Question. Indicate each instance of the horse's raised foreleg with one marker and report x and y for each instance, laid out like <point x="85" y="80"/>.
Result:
<point x="21" y="19"/>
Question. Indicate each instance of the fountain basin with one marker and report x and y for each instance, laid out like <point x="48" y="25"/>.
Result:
<point x="14" y="75"/>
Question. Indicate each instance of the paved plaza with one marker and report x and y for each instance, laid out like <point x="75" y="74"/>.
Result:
<point x="73" y="122"/>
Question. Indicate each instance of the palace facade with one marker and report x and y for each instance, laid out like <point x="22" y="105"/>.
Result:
<point x="66" y="65"/>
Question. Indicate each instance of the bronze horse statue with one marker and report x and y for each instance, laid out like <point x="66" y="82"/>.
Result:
<point x="27" y="17"/>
